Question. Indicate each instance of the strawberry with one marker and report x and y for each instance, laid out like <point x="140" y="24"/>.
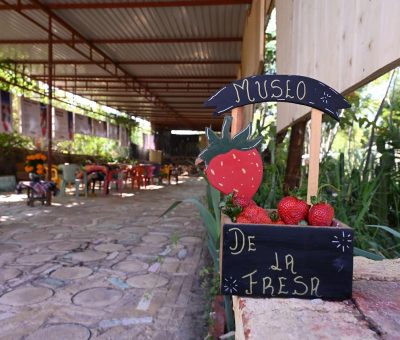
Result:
<point x="242" y="219"/>
<point x="275" y="219"/>
<point x="292" y="210"/>
<point x="256" y="215"/>
<point x="243" y="202"/>
<point x="321" y="214"/>
<point x="251" y="211"/>
<point x="233" y="164"/>
<point x="264" y="219"/>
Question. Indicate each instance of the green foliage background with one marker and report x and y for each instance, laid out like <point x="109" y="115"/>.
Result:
<point x="11" y="80"/>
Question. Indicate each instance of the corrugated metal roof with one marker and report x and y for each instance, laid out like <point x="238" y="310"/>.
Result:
<point x="164" y="22"/>
<point x="198" y="51"/>
<point x="105" y="52"/>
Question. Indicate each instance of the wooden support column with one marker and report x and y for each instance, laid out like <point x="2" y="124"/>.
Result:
<point x="237" y="120"/>
<point x="315" y="146"/>
<point x="242" y="116"/>
<point x="49" y="108"/>
<point x="293" y="165"/>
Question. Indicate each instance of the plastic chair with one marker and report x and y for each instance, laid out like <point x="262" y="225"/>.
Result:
<point x="126" y="174"/>
<point x="54" y="175"/>
<point x="157" y="173"/>
<point x="139" y="173"/>
<point x="95" y="173"/>
<point x="113" y="175"/>
<point x="70" y="175"/>
<point x="149" y="177"/>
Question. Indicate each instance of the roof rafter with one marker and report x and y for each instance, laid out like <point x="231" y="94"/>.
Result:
<point x="126" y="62"/>
<point x="167" y="88"/>
<point x="124" y="41"/>
<point x="142" y="78"/>
<point x="124" y="5"/>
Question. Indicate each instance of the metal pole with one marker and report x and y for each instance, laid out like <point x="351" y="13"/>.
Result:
<point x="49" y="108"/>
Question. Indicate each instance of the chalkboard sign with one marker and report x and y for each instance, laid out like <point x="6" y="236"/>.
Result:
<point x="278" y="88"/>
<point x="287" y="261"/>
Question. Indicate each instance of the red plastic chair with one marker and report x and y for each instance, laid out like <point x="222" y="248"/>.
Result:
<point x="138" y="177"/>
<point x="150" y="174"/>
<point x="113" y="175"/>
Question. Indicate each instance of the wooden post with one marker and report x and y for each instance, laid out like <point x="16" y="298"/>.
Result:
<point x="293" y="163"/>
<point x="315" y="146"/>
<point x="237" y="120"/>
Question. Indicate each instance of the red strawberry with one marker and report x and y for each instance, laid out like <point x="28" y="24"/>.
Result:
<point x="233" y="165"/>
<point x="292" y="210"/>
<point x="264" y="219"/>
<point x="251" y="211"/>
<point x="256" y="215"/>
<point x="275" y="219"/>
<point x="321" y="214"/>
<point x="242" y="219"/>
<point x="242" y="201"/>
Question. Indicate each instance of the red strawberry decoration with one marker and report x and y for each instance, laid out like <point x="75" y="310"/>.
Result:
<point x="255" y="214"/>
<point x="292" y="210"/>
<point x="243" y="202"/>
<point x="233" y="164"/>
<point x="242" y="219"/>
<point x="320" y="214"/>
<point x="275" y="219"/>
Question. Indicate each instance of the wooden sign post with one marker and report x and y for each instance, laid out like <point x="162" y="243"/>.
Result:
<point x="315" y="146"/>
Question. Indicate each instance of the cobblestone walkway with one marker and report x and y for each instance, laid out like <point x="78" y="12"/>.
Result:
<point x="103" y="267"/>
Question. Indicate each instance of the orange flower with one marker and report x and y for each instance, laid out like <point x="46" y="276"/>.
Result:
<point x="28" y="168"/>
<point x="40" y="172"/>
<point x="39" y="166"/>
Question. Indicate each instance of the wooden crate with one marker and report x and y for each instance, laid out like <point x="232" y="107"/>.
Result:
<point x="286" y="261"/>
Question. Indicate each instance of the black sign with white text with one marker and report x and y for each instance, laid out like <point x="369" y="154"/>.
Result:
<point x="278" y="88"/>
<point x="287" y="261"/>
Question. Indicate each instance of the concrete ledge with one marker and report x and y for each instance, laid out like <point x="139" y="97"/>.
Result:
<point x="373" y="312"/>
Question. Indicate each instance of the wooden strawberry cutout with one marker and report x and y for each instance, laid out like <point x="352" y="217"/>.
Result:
<point x="233" y="164"/>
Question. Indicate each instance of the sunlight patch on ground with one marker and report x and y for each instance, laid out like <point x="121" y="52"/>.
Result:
<point x="73" y="204"/>
<point x="125" y="194"/>
<point x="5" y="218"/>
<point x="155" y="187"/>
<point x="9" y="198"/>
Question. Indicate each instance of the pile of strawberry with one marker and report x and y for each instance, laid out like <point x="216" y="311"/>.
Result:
<point x="291" y="211"/>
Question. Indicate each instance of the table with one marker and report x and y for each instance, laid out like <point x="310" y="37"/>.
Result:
<point x="36" y="191"/>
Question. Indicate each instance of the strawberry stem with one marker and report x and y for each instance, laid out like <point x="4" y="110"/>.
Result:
<point x="314" y="200"/>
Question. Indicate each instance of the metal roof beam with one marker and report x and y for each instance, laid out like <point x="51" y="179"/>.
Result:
<point x="90" y="77"/>
<point x="123" y="41"/>
<point x="127" y="62"/>
<point x="167" y="88"/>
<point x="107" y="81"/>
<point x="123" y="5"/>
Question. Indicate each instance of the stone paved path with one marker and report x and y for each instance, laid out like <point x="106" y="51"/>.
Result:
<point x="103" y="267"/>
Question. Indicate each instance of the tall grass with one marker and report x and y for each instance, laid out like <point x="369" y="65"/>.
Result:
<point x="366" y="201"/>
